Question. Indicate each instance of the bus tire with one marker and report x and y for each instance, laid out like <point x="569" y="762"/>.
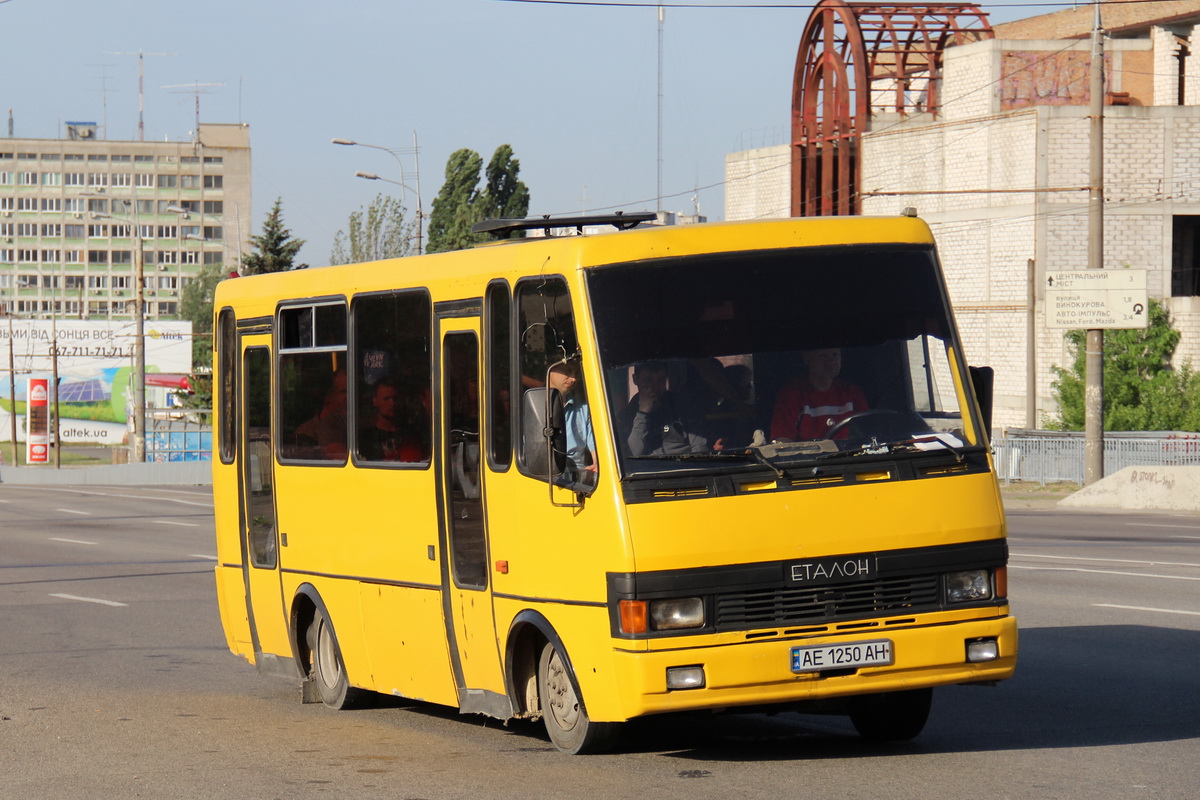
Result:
<point x="892" y="716"/>
<point x="328" y="668"/>
<point x="570" y="729"/>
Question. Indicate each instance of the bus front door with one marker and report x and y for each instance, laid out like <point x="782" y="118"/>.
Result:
<point x="470" y="621"/>
<point x="259" y="535"/>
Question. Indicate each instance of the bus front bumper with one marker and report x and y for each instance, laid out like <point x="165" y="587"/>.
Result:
<point x="759" y="673"/>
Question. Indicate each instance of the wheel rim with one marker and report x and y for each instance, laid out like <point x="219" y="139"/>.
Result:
<point x="328" y="668"/>
<point x="562" y="702"/>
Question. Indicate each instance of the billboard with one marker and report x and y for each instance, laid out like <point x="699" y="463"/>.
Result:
<point x="95" y="370"/>
<point x="37" y="422"/>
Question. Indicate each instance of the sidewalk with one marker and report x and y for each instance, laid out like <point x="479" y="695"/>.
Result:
<point x="1031" y="494"/>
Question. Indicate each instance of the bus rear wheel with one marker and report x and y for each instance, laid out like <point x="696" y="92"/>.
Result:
<point x="328" y="668"/>
<point x="566" y="720"/>
<point x="892" y="716"/>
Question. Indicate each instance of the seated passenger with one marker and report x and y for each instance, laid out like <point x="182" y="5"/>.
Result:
<point x="326" y="431"/>
<point x="652" y="423"/>
<point x="810" y="405"/>
<point x="733" y="418"/>
<point x="577" y="416"/>
<point x="390" y="437"/>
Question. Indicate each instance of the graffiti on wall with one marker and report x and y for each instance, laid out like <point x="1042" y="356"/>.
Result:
<point x="1039" y="78"/>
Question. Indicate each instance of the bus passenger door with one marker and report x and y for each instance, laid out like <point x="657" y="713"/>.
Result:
<point x="471" y="630"/>
<point x="256" y="481"/>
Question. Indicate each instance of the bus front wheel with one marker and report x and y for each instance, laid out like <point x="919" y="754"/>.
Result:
<point x="893" y="716"/>
<point x="328" y="668"/>
<point x="566" y="720"/>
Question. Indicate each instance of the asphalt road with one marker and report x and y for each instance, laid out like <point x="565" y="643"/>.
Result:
<point x="116" y="682"/>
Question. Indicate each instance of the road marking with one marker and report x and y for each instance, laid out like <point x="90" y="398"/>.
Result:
<point x="73" y="511"/>
<point x="1144" y="608"/>
<point x="180" y="524"/>
<point x="69" y="541"/>
<point x="201" y="555"/>
<point x="88" y="600"/>
<point x="1111" y="560"/>
<point x="208" y="503"/>
<point x="1185" y="537"/>
<point x="1105" y="572"/>
<point x="1157" y="525"/>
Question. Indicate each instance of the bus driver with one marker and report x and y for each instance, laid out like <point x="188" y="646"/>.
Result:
<point x="811" y="404"/>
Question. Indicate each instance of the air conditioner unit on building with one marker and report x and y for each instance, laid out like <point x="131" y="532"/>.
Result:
<point x="78" y="215"/>
<point x="8" y="213"/>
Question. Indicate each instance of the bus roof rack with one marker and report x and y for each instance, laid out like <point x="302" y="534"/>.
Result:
<point x="501" y="228"/>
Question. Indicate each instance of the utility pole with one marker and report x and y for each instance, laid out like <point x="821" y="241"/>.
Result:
<point x="660" y="109"/>
<point x="1031" y="346"/>
<point x="1093" y="397"/>
<point x="12" y="391"/>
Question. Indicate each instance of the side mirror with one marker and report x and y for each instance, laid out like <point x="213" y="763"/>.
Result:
<point x="982" y="379"/>
<point x="542" y="425"/>
<point x="543" y="444"/>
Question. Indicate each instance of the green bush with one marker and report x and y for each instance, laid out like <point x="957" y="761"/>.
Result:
<point x="1141" y="390"/>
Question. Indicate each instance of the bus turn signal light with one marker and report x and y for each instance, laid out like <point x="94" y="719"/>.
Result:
<point x="634" y="616"/>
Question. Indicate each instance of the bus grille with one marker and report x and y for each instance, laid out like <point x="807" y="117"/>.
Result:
<point x="773" y="607"/>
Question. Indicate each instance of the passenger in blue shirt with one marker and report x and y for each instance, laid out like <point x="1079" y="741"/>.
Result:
<point x="577" y="417"/>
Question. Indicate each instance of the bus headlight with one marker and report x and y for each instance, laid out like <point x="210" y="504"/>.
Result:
<point x="668" y="615"/>
<point x="968" y="586"/>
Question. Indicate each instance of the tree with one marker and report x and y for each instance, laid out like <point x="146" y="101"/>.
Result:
<point x="376" y="233"/>
<point x="196" y="305"/>
<point x="274" y="249"/>
<point x="454" y="211"/>
<point x="461" y="203"/>
<point x="505" y="196"/>
<point x="1141" y="390"/>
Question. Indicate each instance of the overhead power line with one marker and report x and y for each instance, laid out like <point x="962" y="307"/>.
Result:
<point x="650" y="4"/>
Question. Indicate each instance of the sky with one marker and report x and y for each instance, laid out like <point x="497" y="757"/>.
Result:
<point x="573" y="89"/>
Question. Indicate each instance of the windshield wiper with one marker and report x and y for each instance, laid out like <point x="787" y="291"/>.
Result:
<point x="762" y="459"/>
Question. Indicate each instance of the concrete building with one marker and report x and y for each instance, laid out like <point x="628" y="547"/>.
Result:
<point x="75" y="213"/>
<point x="1000" y="172"/>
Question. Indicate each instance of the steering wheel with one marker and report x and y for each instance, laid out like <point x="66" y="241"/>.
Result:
<point x="870" y="412"/>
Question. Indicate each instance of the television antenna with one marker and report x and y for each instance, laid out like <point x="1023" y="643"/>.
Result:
<point x="104" y="90"/>
<point x="196" y="88"/>
<point x="141" y="83"/>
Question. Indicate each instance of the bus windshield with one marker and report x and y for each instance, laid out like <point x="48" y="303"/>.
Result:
<point x="779" y="357"/>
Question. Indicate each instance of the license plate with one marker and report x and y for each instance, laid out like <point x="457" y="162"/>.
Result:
<point x="852" y="655"/>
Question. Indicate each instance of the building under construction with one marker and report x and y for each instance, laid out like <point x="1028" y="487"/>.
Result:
<point x="985" y="131"/>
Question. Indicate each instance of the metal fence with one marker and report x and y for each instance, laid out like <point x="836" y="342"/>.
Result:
<point x="1054" y="456"/>
<point x="179" y="436"/>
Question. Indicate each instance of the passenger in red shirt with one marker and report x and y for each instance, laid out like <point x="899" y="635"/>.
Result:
<point x="810" y="405"/>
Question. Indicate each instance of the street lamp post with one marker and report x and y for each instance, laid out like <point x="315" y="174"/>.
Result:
<point x="396" y="152"/>
<point x="139" y="350"/>
<point x="138" y="454"/>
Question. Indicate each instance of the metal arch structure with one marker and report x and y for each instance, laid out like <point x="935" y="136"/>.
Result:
<point x="857" y="59"/>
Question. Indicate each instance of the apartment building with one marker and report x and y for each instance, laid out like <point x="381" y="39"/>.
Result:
<point x="80" y="215"/>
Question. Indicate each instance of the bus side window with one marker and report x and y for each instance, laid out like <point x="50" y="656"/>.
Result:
<point x="313" y="382"/>
<point x="499" y="375"/>
<point x="227" y="366"/>
<point x="547" y="336"/>
<point x="392" y="378"/>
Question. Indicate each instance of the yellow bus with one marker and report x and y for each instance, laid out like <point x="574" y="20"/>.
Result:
<point x="590" y="478"/>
